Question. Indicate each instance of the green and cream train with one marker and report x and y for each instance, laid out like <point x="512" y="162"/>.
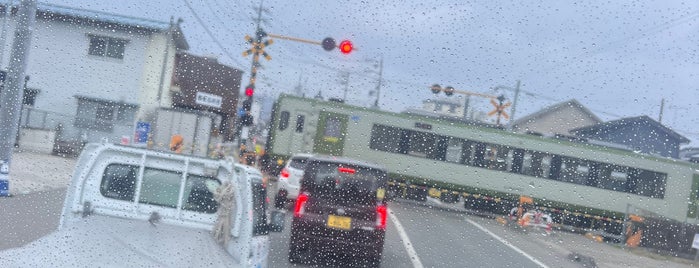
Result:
<point x="483" y="160"/>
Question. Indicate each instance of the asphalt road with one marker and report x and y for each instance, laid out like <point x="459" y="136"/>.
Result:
<point x="25" y="218"/>
<point x="437" y="238"/>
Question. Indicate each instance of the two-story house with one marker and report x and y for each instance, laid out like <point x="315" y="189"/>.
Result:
<point x="94" y="73"/>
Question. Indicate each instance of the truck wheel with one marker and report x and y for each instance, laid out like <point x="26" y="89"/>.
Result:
<point x="280" y="200"/>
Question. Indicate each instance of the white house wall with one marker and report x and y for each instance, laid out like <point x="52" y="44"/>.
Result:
<point x="61" y="68"/>
<point x="153" y="62"/>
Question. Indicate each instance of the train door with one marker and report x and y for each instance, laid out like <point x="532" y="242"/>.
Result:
<point x="297" y="136"/>
<point x="330" y="137"/>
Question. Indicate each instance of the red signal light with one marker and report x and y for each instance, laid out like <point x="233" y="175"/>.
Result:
<point x="249" y="91"/>
<point x="345" y="47"/>
<point x="285" y="173"/>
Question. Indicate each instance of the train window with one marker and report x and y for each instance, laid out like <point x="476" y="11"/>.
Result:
<point x="555" y="167"/>
<point x="496" y="156"/>
<point x="478" y="154"/>
<point x="421" y="144"/>
<point x="454" y="150"/>
<point x="615" y="179"/>
<point x="574" y="170"/>
<point x="284" y="120"/>
<point x="544" y="167"/>
<point x="647" y="183"/>
<point x="517" y="160"/>
<point x="384" y="138"/>
<point x="299" y="123"/>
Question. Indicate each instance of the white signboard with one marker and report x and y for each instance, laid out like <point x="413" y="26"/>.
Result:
<point x="695" y="243"/>
<point x="207" y="99"/>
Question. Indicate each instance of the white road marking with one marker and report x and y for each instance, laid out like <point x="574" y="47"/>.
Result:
<point x="530" y="257"/>
<point x="406" y="241"/>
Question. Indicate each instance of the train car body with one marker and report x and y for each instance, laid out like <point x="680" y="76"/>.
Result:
<point x="487" y="159"/>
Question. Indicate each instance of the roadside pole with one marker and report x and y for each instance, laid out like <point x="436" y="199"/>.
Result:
<point x="13" y="92"/>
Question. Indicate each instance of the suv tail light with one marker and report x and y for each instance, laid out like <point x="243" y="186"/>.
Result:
<point x="381" y="214"/>
<point x="285" y="173"/>
<point x="300" y="206"/>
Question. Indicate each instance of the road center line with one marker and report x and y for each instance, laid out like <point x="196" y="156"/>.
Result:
<point x="530" y="257"/>
<point x="406" y="241"/>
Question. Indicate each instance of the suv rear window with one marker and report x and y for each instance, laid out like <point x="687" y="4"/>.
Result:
<point x="343" y="184"/>
<point x="298" y="162"/>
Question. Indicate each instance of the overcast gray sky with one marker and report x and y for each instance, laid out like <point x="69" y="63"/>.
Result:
<point x="618" y="58"/>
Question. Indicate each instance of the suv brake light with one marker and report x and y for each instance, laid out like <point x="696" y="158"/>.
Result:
<point x="285" y="173"/>
<point x="300" y="206"/>
<point x="381" y="214"/>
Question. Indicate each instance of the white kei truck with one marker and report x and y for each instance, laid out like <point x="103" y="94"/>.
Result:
<point x="134" y="207"/>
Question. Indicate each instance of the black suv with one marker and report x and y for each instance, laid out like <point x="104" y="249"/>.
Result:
<point x="340" y="210"/>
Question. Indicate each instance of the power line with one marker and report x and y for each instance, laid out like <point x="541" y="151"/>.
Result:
<point x="211" y="35"/>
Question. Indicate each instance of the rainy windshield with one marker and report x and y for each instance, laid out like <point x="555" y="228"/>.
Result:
<point x="374" y="133"/>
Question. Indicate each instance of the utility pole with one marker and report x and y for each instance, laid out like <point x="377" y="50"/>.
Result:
<point x="345" y="81"/>
<point x="514" y="104"/>
<point x="257" y="48"/>
<point x="378" y="84"/>
<point x="514" y="101"/>
<point x="3" y="34"/>
<point x="662" y="107"/>
<point x="13" y="91"/>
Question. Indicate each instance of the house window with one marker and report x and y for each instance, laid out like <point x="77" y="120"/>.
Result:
<point x="103" y="46"/>
<point x="103" y="115"/>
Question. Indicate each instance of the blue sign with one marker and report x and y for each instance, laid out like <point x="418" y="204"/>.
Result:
<point x="241" y="112"/>
<point x="4" y="178"/>
<point x="142" y="130"/>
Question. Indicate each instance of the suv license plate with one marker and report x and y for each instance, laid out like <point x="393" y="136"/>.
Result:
<point x="339" y="222"/>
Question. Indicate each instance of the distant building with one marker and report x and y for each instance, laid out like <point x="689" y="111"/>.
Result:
<point x="640" y="133"/>
<point x="558" y="119"/>
<point x="203" y="84"/>
<point x="690" y="154"/>
<point x="443" y="106"/>
<point x="453" y="108"/>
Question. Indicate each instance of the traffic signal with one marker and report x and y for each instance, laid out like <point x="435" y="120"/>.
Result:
<point x="449" y="91"/>
<point x="247" y="105"/>
<point x="249" y="90"/>
<point x="345" y="46"/>
<point x="436" y="88"/>
<point x="328" y="44"/>
<point x="246" y="120"/>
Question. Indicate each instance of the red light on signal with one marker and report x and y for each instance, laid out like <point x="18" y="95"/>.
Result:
<point x="345" y="47"/>
<point x="249" y="91"/>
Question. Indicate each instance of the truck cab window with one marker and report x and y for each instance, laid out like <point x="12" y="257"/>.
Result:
<point x="119" y="181"/>
<point x="160" y="187"/>
<point x="199" y="194"/>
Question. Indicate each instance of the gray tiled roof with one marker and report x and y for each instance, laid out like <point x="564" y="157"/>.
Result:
<point x="99" y="16"/>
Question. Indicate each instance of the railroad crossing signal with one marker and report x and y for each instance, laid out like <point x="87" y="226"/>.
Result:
<point x="258" y="46"/>
<point x="499" y="108"/>
<point x="436" y="88"/>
